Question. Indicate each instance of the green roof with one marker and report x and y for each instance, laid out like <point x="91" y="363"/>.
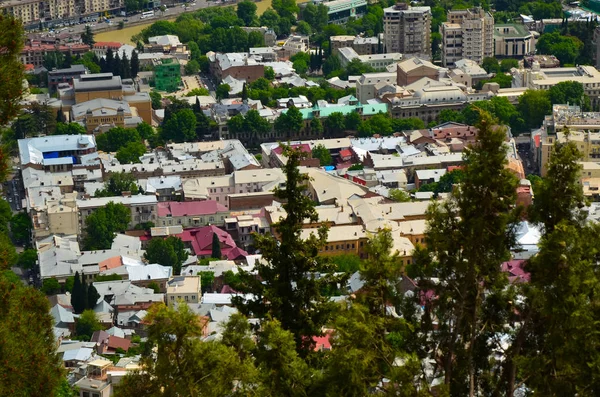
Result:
<point x="367" y="110"/>
<point x="514" y="30"/>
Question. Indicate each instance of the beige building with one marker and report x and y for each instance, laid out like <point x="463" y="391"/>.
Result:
<point x="143" y="208"/>
<point x="407" y="30"/>
<point x="186" y="288"/>
<point x="467" y="34"/>
<point x="33" y="11"/>
<point x="415" y="69"/>
<point x="369" y="83"/>
<point x="512" y="40"/>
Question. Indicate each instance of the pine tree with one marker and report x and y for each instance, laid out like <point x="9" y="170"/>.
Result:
<point x="284" y="289"/>
<point x="92" y="297"/>
<point x="216" y="247"/>
<point x="197" y="108"/>
<point x="60" y="116"/>
<point x="472" y="303"/>
<point x="84" y="291"/>
<point x="125" y="67"/>
<point x="116" y="67"/>
<point x="78" y="300"/>
<point x="135" y="64"/>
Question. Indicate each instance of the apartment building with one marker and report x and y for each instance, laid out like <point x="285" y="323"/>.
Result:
<point x="407" y="30"/>
<point x="34" y="52"/>
<point x="36" y="11"/>
<point x="376" y="61"/>
<point x="185" y="288"/>
<point x="467" y="34"/>
<point x="340" y="11"/>
<point x="362" y="45"/>
<point x="369" y="83"/>
<point x="143" y="208"/>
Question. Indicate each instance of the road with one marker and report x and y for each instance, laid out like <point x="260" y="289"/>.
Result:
<point x="13" y="193"/>
<point x="171" y="12"/>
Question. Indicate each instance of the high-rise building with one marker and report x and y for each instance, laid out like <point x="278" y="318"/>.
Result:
<point x="407" y="29"/>
<point x="467" y="34"/>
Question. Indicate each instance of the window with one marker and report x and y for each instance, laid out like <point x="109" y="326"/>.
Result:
<point x="186" y="298"/>
<point x="86" y="394"/>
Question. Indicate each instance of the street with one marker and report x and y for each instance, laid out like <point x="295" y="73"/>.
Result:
<point x="13" y="193"/>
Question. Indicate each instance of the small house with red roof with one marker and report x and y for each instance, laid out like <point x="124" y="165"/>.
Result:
<point x="101" y="47"/>
<point x="200" y="241"/>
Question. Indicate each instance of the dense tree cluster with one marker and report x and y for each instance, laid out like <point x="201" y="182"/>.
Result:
<point x="103" y="223"/>
<point x="167" y="252"/>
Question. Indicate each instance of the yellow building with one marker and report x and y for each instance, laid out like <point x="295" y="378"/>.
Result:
<point x="587" y="142"/>
<point x="186" y="288"/>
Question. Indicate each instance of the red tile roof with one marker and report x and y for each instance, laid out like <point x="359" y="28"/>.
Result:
<point x="114" y="342"/>
<point x="304" y="147"/>
<point x="190" y="208"/>
<point x="108" y="44"/>
<point x="29" y="66"/>
<point x="516" y="271"/>
<point x="322" y="342"/>
<point x="345" y="153"/>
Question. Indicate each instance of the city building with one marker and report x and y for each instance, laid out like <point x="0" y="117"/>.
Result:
<point x="340" y="11"/>
<point x="58" y="76"/>
<point x="240" y="66"/>
<point x="102" y="114"/>
<point x="167" y="75"/>
<point x="185" y="288"/>
<point x="468" y="73"/>
<point x="143" y="208"/>
<point x="368" y="84"/>
<point x="376" y="61"/>
<point x="407" y="30"/>
<point x="512" y="41"/>
<point x="414" y="69"/>
<point x="362" y="45"/>
<point x="34" y="52"/>
<point x="56" y="152"/>
<point x="191" y="213"/>
<point x="467" y="34"/>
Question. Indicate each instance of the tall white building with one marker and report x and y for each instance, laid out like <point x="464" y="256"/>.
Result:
<point x="467" y="34"/>
<point x="407" y="29"/>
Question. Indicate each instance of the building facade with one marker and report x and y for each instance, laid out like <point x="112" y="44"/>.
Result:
<point x="467" y="34"/>
<point x="167" y="75"/>
<point x="407" y="30"/>
<point x="512" y="41"/>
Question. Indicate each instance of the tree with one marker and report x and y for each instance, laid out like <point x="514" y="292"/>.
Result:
<point x="346" y="263"/>
<point x="246" y="11"/>
<point x="8" y="254"/>
<point x="490" y="65"/>
<point x="269" y="73"/>
<point x="116" y="138"/>
<point x="303" y="28"/>
<point x="566" y="48"/>
<point x="69" y="129"/>
<point x="180" y="127"/>
<point x="352" y="121"/>
<point x="87" y="324"/>
<point x="27" y="259"/>
<point x="131" y="153"/>
<point x="473" y="302"/>
<point x="87" y="37"/>
<point x="117" y="184"/>
<point x="11" y="68"/>
<point x="156" y="100"/>
<point x="167" y="252"/>
<point x="30" y="364"/>
<point x="315" y="16"/>
<point x="154" y="286"/>
<point x="78" y="300"/>
<point x="534" y="105"/>
<point x="92" y="297"/>
<point x="103" y="223"/>
<point x="399" y="196"/>
<point x="20" y="226"/>
<point x="566" y="92"/>
<point x="316" y="127"/>
<point x="335" y="124"/>
<point x="206" y="281"/>
<point x="285" y="8"/>
<point x="290" y="122"/>
<point x="216" y="247"/>
<point x="198" y="92"/>
<point x="192" y="67"/>
<point x="223" y="91"/>
<point x="282" y="291"/>
<point x="145" y="130"/>
<point x="507" y="64"/>
<point x="135" y="64"/>
<point x="183" y="363"/>
<point x="50" y="286"/>
<point x="322" y="153"/>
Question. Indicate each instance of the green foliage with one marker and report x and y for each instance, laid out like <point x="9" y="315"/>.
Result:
<point x="87" y="324"/>
<point x="533" y="106"/>
<point x="103" y="223"/>
<point x="198" y="92"/>
<point x="78" y="299"/>
<point x="156" y="100"/>
<point x="87" y="37"/>
<point x="180" y="126"/>
<point x="11" y="69"/>
<point x="117" y="184"/>
<point x="474" y="300"/>
<point x="30" y="365"/>
<point x="407" y="124"/>
<point x="570" y="92"/>
<point x="346" y="263"/>
<point x="167" y="252"/>
<point x="50" y="286"/>
<point x="289" y="123"/>
<point x="507" y="64"/>
<point x="69" y="129"/>
<point x="223" y="91"/>
<point x="20" y="226"/>
<point x="491" y="65"/>
<point x="92" y="296"/>
<point x="252" y="124"/>
<point x="184" y="364"/>
<point x="216" y="247"/>
<point x="206" y="280"/>
<point x="117" y="138"/>
<point x="8" y="254"/>
<point x="356" y="167"/>
<point x="191" y="68"/>
<point x="131" y="153"/>
<point x="107" y="277"/>
<point x="301" y="308"/>
<point x="322" y="153"/>
<point x="27" y="259"/>
<point x="566" y="48"/>
<point x="399" y="196"/>
<point x="269" y="73"/>
<point x="246" y="11"/>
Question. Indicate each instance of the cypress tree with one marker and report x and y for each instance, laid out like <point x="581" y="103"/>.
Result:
<point x="116" y="67"/>
<point x="125" y="67"/>
<point x="92" y="297"/>
<point x="84" y="292"/>
<point x="197" y="108"/>
<point x="108" y="61"/>
<point x="216" y="247"/>
<point x="77" y="299"/>
<point x="244" y="92"/>
<point x="135" y="64"/>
